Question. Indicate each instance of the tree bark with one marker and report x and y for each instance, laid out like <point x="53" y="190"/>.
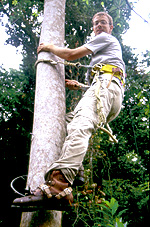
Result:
<point x="49" y="113"/>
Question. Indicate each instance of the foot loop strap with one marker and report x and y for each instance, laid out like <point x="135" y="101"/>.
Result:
<point x="45" y="188"/>
<point x="65" y="192"/>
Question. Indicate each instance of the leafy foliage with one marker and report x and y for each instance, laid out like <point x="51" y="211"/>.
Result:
<point x="104" y="214"/>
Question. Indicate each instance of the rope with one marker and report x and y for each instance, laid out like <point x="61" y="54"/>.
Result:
<point x="12" y="184"/>
<point x="52" y="62"/>
<point x="102" y="118"/>
<point x="112" y="137"/>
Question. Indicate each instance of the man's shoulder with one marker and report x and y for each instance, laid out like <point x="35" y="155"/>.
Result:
<point x="105" y="36"/>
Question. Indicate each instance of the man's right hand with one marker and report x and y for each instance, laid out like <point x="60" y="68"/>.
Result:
<point x="72" y="84"/>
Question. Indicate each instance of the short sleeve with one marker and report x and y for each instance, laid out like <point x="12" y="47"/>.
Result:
<point x="99" y="42"/>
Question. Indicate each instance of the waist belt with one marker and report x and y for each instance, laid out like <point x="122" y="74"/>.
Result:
<point x="109" y="69"/>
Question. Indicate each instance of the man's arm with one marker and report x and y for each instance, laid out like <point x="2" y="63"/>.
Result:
<point x="64" y="53"/>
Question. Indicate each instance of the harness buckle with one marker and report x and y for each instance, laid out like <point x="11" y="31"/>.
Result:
<point x="98" y="67"/>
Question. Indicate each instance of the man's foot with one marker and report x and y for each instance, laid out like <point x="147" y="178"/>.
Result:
<point x="56" y="187"/>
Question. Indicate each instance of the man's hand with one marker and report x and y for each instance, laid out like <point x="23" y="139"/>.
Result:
<point x="44" y="47"/>
<point x="72" y="84"/>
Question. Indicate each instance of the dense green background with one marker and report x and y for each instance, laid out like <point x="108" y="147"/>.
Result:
<point x="120" y="169"/>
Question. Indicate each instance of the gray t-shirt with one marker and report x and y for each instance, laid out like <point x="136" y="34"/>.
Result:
<point x="106" y="49"/>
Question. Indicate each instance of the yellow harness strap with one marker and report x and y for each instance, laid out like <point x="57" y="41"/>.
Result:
<point x="109" y="69"/>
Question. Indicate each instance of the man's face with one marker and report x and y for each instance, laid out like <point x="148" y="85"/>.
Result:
<point x="101" y="24"/>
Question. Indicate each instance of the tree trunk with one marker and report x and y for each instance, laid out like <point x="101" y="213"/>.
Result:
<point x="49" y="113"/>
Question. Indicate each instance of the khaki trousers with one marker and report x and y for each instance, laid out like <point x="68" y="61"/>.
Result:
<point x="84" y="120"/>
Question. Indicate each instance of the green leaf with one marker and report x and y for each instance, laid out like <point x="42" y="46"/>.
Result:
<point x="14" y="2"/>
<point x="139" y="104"/>
<point x="146" y="110"/>
<point x="121" y="212"/>
<point x="139" y="94"/>
<point x="119" y="223"/>
<point x="35" y="14"/>
<point x="112" y="8"/>
<point x="107" y="203"/>
<point x="119" y="25"/>
<point x="102" y="4"/>
<point x="87" y="1"/>
<point x="105" y="213"/>
<point x="113" y="205"/>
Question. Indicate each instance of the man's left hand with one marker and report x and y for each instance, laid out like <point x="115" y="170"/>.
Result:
<point x="72" y="84"/>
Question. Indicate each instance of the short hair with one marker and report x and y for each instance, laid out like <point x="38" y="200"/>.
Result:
<point x="104" y="14"/>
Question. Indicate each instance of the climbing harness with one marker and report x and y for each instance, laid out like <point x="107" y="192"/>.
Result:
<point x="99" y="67"/>
<point x="96" y="71"/>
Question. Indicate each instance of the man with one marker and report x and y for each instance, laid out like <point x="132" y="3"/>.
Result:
<point x="101" y="103"/>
